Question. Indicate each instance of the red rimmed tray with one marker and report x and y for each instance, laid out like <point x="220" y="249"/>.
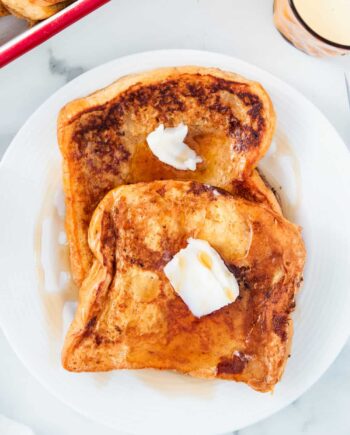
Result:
<point x="34" y="36"/>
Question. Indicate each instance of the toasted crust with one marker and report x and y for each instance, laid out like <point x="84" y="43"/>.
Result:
<point x="129" y="315"/>
<point x="34" y="10"/>
<point x="103" y="139"/>
<point x="3" y="10"/>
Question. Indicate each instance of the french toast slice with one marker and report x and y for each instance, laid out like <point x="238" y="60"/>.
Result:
<point x="34" y="10"/>
<point x="129" y="316"/>
<point x="3" y="10"/>
<point x="103" y="139"/>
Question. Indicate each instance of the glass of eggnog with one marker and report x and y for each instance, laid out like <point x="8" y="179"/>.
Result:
<point x="317" y="27"/>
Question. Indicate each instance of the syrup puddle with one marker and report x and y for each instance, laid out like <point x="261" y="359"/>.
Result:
<point x="56" y="289"/>
<point x="173" y="384"/>
<point x="101" y="379"/>
<point x="281" y="168"/>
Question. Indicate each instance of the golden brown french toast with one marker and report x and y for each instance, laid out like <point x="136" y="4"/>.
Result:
<point x="34" y="10"/>
<point x="103" y="139"/>
<point x="3" y="10"/>
<point x="129" y="316"/>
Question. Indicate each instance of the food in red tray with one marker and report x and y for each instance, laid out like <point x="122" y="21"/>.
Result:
<point x="32" y="10"/>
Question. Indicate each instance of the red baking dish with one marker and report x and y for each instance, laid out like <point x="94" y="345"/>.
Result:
<point x="16" y="39"/>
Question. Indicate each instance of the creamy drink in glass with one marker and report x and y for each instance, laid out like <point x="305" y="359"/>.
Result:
<point x="317" y="27"/>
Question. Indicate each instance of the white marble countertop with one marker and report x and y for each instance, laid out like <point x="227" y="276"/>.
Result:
<point x="240" y="28"/>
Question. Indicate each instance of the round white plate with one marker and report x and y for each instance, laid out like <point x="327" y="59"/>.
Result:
<point x="311" y="164"/>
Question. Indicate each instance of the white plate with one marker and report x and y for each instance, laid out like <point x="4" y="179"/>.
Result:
<point x="312" y="165"/>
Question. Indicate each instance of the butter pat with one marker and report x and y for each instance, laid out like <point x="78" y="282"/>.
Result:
<point x="200" y="277"/>
<point x="168" y="145"/>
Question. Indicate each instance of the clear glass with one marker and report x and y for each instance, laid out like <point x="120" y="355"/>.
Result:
<point x="292" y="27"/>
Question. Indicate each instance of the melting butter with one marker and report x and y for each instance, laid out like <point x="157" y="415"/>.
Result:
<point x="168" y="145"/>
<point x="200" y="277"/>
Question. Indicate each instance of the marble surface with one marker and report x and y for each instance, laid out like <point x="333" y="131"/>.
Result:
<point x="240" y="28"/>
